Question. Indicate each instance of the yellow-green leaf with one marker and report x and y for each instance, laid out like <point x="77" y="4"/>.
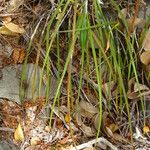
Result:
<point x="18" y="135"/>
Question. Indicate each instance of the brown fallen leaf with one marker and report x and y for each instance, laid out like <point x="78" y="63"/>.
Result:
<point x="64" y="140"/>
<point x="135" y="90"/>
<point x="22" y="56"/>
<point x="6" y="31"/>
<point x="35" y="141"/>
<point x="146" y="43"/>
<point x="88" y="131"/>
<point x="18" y="55"/>
<point x="7" y="19"/>
<point x="67" y="118"/>
<point x="87" y="109"/>
<point x="14" y="27"/>
<point x="15" y="55"/>
<point x="145" y="57"/>
<point x="135" y="22"/>
<point x="14" y="5"/>
<point x="119" y="138"/>
<point x="109" y="89"/>
<point x="146" y="129"/>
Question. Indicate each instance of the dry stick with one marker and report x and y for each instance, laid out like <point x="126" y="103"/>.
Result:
<point x="6" y="129"/>
<point x="100" y="140"/>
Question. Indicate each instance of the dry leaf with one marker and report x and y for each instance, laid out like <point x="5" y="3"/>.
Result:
<point x="141" y="87"/>
<point x="88" y="130"/>
<point x="123" y="13"/>
<point x="114" y="127"/>
<point x="135" y="89"/>
<point x="6" y="31"/>
<point x="97" y="119"/>
<point x="22" y="56"/>
<point x="119" y="138"/>
<point x="145" y="57"/>
<point x="134" y="22"/>
<point x="35" y="141"/>
<point x="7" y="19"/>
<point x="14" y="27"/>
<point x="64" y="141"/>
<point x="16" y="55"/>
<point x="67" y="118"/>
<point x="146" y="43"/>
<point x="109" y="89"/>
<point x="18" y="135"/>
<point x="109" y="132"/>
<point x="146" y="129"/>
<point x="14" y="5"/>
<point x="87" y="109"/>
<point x="47" y="128"/>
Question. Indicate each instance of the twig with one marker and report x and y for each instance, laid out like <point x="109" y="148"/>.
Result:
<point x="100" y="140"/>
<point x="6" y="129"/>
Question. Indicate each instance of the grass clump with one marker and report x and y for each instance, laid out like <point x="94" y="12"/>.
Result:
<point x="103" y="49"/>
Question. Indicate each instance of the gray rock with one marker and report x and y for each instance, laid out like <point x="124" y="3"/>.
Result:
<point x="11" y="78"/>
<point x="4" y="145"/>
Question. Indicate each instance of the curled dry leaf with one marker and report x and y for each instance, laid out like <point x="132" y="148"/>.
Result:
<point x="135" y="90"/>
<point x="109" y="89"/>
<point x="108" y="132"/>
<point x="145" y="57"/>
<point x="87" y="109"/>
<point x="97" y="118"/>
<point x="108" y="126"/>
<point x="88" y="131"/>
<point x="96" y="121"/>
<point x="119" y="138"/>
<point x="114" y="127"/>
<point x="111" y="129"/>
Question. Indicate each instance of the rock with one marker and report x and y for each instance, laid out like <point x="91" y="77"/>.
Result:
<point x="4" y="145"/>
<point x="11" y="79"/>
